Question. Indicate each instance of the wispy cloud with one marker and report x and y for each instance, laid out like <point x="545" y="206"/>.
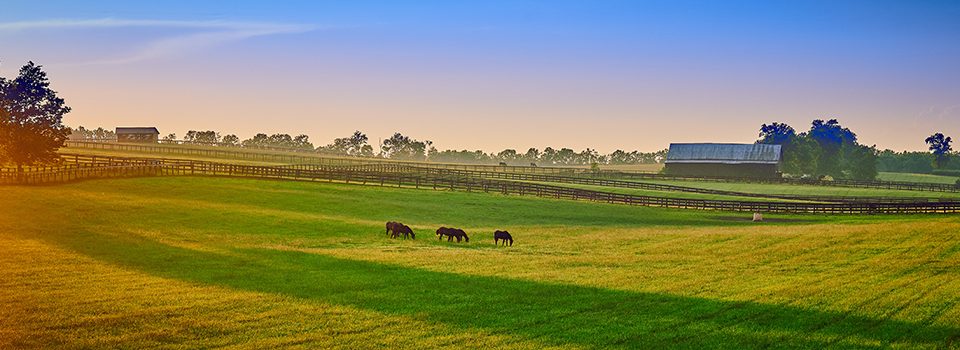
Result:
<point x="938" y="113"/>
<point x="201" y="33"/>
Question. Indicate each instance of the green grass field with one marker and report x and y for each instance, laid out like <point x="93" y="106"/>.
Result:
<point x="657" y="193"/>
<point x="791" y="189"/>
<point x="908" y="177"/>
<point x="204" y="262"/>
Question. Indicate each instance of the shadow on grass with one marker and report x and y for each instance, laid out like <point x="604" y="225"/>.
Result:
<point x="552" y="313"/>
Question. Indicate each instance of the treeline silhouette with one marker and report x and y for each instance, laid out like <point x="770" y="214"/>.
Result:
<point x="916" y="162"/>
<point x="398" y="146"/>
<point x="829" y="149"/>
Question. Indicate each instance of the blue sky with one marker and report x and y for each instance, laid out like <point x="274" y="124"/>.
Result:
<point x="499" y="74"/>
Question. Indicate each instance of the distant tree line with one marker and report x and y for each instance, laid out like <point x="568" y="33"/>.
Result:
<point x="400" y="147"/>
<point x="939" y="160"/>
<point x="829" y="149"/>
<point x="98" y="134"/>
<point x="826" y="149"/>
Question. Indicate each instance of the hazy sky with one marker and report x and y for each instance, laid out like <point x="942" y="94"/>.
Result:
<point x="499" y="74"/>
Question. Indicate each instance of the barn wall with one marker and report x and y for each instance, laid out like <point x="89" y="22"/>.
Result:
<point x="142" y="138"/>
<point x="722" y="170"/>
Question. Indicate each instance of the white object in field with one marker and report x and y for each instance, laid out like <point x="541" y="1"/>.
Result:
<point x="757" y="217"/>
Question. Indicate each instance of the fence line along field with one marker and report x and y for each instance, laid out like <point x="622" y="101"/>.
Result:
<point x="450" y="177"/>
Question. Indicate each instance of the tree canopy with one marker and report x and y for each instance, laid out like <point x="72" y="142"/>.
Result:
<point x="826" y="149"/>
<point x="940" y="147"/>
<point x="31" y="118"/>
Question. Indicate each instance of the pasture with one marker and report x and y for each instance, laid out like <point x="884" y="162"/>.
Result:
<point x="796" y="189"/>
<point x="203" y="262"/>
<point x="908" y="177"/>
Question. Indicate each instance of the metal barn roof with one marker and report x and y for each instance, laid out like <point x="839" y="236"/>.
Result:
<point x="723" y="153"/>
<point x="137" y="130"/>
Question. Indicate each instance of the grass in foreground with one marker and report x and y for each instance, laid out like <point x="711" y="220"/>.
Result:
<point x="209" y="262"/>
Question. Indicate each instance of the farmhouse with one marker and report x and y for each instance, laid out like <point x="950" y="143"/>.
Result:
<point x="723" y="160"/>
<point x="139" y="134"/>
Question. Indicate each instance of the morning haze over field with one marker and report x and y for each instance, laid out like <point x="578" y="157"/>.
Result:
<point x="480" y="175"/>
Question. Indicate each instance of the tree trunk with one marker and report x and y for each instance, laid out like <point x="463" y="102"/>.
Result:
<point x="19" y="172"/>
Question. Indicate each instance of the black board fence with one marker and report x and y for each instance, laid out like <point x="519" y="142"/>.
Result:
<point x="395" y="175"/>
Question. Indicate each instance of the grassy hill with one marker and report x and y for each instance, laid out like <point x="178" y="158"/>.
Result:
<point x="207" y="262"/>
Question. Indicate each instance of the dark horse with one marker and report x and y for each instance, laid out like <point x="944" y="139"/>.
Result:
<point x="502" y="235"/>
<point x="390" y="226"/>
<point x="400" y="229"/>
<point x="451" y="233"/>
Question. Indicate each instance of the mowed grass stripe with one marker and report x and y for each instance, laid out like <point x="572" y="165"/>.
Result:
<point x="68" y="300"/>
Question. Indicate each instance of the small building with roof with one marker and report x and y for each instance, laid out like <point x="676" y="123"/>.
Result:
<point x="723" y="160"/>
<point x="138" y="134"/>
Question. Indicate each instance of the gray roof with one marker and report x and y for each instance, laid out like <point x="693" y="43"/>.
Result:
<point x="723" y="153"/>
<point x="137" y="130"/>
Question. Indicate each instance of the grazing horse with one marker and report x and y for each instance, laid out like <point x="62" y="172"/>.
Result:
<point x="451" y="233"/>
<point x="390" y="226"/>
<point x="502" y="235"/>
<point x="442" y="231"/>
<point x="404" y="230"/>
<point x="400" y="229"/>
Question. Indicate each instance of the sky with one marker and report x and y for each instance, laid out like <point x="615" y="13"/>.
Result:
<point x="632" y="75"/>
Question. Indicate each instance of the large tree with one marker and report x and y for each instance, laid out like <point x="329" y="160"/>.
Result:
<point x="776" y="134"/>
<point x="940" y="146"/>
<point x="831" y="137"/>
<point x="860" y="161"/>
<point x="208" y="137"/>
<point x="403" y="147"/>
<point x="31" y="118"/>
<point x="799" y="153"/>
<point x="353" y="145"/>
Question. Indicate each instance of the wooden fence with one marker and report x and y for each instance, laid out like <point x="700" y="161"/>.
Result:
<point x="301" y="158"/>
<point x="393" y="175"/>
<point x="594" y="181"/>
<point x="876" y="184"/>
